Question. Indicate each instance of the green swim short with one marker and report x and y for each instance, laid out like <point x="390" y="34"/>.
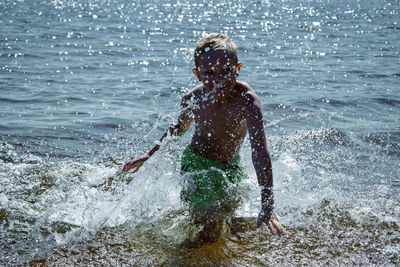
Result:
<point x="208" y="184"/>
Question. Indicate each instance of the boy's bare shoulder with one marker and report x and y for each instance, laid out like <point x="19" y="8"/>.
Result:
<point x="249" y="96"/>
<point x="244" y="87"/>
<point x="189" y="98"/>
<point x="192" y="93"/>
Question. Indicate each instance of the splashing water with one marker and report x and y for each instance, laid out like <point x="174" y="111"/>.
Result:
<point x="84" y="86"/>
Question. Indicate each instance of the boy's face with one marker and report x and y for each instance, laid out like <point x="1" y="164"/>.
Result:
<point x="217" y="70"/>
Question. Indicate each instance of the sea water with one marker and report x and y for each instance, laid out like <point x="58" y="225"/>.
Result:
<point x="87" y="85"/>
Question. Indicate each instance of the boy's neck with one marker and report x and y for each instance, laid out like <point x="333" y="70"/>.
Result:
<point x="219" y="95"/>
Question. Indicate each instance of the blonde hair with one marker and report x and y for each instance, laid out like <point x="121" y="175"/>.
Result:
<point x="213" y="42"/>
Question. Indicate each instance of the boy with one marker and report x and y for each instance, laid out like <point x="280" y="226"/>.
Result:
<point x="223" y="110"/>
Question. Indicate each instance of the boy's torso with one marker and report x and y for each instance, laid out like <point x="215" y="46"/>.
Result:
<point x="220" y="125"/>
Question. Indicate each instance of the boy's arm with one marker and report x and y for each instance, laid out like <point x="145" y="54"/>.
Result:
<point x="185" y="120"/>
<point x="262" y="164"/>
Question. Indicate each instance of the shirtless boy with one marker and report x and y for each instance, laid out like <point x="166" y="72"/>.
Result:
<point x="223" y="110"/>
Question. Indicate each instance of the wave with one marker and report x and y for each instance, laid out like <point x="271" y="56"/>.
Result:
<point x="388" y="142"/>
<point x="326" y="234"/>
<point x="310" y="137"/>
<point x="19" y="100"/>
<point x="388" y="101"/>
<point x="374" y="75"/>
<point x="74" y="210"/>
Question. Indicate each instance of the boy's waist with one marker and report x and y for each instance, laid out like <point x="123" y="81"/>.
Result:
<point x="190" y="155"/>
<point x="213" y="153"/>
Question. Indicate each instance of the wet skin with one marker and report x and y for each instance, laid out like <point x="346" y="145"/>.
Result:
<point x="223" y="110"/>
<point x="217" y="109"/>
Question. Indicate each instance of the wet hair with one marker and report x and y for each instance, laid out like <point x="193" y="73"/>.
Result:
<point x="213" y="42"/>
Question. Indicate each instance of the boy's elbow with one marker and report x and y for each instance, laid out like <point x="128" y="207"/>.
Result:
<point x="181" y="132"/>
<point x="183" y="128"/>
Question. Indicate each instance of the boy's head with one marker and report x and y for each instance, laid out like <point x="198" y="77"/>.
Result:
<point x="216" y="61"/>
<point x="213" y="42"/>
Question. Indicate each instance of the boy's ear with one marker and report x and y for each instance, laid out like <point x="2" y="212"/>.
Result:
<point x="195" y="72"/>
<point x="238" y="67"/>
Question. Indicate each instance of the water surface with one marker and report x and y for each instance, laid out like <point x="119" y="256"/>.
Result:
<point x="87" y="85"/>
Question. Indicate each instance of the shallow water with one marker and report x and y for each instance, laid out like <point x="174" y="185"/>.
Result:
<point x="87" y="85"/>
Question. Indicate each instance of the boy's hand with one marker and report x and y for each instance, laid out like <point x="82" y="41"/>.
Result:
<point x="135" y="163"/>
<point x="272" y="221"/>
